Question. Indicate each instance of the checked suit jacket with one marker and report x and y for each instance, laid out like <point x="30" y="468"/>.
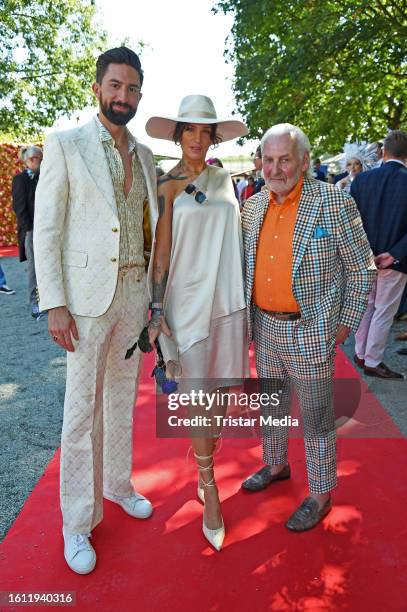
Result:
<point x="77" y="229"/>
<point x="332" y="267"/>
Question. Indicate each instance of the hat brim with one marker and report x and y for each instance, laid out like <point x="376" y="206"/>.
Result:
<point x="163" y="127"/>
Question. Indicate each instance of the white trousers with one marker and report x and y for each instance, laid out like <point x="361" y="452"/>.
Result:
<point x="384" y="300"/>
<point x="101" y="389"/>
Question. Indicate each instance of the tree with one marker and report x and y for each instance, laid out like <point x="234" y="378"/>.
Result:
<point x="47" y="62"/>
<point x="337" y="69"/>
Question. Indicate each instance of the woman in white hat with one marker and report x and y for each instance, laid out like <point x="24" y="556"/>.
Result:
<point x="197" y="286"/>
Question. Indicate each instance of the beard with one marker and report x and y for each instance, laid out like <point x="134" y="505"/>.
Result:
<point x="117" y="117"/>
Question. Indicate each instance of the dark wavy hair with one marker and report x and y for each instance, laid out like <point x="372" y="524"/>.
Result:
<point x="118" y="55"/>
<point x="180" y="128"/>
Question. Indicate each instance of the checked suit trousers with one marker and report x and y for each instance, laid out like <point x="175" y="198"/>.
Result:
<point x="281" y="368"/>
<point x="101" y="388"/>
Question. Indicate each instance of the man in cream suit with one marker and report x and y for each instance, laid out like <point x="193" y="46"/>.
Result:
<point x="309" y="271"/>
<point x="97" y="184"/>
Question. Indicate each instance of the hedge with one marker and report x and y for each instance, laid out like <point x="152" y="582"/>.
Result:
<point x="9" y="166"/>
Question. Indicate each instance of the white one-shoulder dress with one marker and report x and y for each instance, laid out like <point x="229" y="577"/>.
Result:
<point x="204" y="302"/>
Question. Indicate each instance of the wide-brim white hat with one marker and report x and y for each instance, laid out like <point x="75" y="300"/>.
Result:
<point x="195" y="109"/>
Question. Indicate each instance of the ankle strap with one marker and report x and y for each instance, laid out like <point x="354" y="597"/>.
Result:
<point x="203" y="456"/>
<point x="202" y="468"/>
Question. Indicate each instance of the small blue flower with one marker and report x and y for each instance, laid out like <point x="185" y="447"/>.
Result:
<point x="167" y="386"/>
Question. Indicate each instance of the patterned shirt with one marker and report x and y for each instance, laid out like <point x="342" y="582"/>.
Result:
<point x="130" y="209"/>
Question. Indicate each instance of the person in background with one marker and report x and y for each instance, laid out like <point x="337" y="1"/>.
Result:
<point x="317" y="172"/>
<point x="258" y="165"/>
<point x="241" y="186"/>
<point x="340" y="176"/>
<point x="402" y="310"/>
<point x="23" y="192"/>
<point x="357" y="158"/>
<point x="248" y="192"/>
<point x="4" y="290"/>
<point x="379" y="154"/>
<point x="381" y="197"/>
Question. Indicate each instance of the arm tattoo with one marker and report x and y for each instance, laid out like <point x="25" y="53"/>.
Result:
<point x="160" y="278"/>
<point x="171" y="177"/>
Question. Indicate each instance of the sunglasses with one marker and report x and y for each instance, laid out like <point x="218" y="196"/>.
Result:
<point x="200" y="197"/>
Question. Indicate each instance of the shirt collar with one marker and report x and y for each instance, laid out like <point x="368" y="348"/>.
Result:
<point x="394" y="160"/>
<point x="105" y="135"/>
<point x="293" y="196"/>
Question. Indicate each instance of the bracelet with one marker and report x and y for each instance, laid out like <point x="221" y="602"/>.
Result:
<point x="154" y="323"/>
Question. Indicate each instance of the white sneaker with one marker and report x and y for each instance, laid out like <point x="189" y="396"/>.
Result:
<point x="78" y="553"/>
<point x="136" y="505"/>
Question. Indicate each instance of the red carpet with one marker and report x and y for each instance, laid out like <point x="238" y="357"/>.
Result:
<point x="355" y="560"/>
<point x="9" y="251"/>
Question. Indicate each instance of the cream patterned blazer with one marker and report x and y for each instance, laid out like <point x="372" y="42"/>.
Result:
<point x="76" y="225"/>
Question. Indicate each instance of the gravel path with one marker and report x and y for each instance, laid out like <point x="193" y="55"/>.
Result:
<point x="32" y="384"/>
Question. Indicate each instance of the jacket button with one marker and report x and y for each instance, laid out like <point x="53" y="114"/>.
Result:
<point x="113" y="259"/>
<point x="115" y="229"/>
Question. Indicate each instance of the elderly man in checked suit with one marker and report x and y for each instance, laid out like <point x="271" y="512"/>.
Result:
<point x="309" y="270"/>
<point x="96" y="187"/>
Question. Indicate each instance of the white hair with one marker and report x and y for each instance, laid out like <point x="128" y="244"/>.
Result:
<point x="29" y="151"/>
<point x="295" y="133"/>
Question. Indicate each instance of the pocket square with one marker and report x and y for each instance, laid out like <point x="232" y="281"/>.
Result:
<point x="320" y="232"/>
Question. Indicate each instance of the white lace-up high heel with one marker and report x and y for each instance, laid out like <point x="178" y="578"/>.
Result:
<point x="214" y="536"/>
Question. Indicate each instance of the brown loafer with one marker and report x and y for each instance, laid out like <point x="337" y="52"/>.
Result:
<point x="382" y="371"/>
<point x="402" y="336"/>
<point x="359" y="362"/>
<point x="261" y="479"/>
<point x="308" y="515"/>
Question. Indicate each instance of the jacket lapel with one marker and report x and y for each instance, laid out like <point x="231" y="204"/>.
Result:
<point x="151" y="182"/>
<point x="93" y="155"/>
<point x="259" y="214"/>
<point x="308" y="211"/>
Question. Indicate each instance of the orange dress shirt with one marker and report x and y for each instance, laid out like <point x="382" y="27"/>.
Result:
<point x="272" y="288"/>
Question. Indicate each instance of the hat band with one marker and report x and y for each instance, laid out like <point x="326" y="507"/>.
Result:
<point x="203" y="114"/>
